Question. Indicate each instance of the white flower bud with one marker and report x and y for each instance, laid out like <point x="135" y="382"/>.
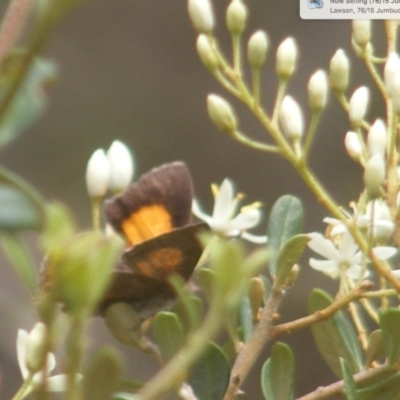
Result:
<point x="35" y="347"/>
<point x="97" y="174"/>
<point x="378" y="215"/>
<point x="376" y="140"/>
<point x="361" y="32"/>
<point x="318" y="90"/>
<point x="121" y="166"/>
<point x="358" y="105"/>
<point x="353" y="145"/>
<point x="395" y="94"/>
<point x="391" y="70"/>
<point x="286" y="58"/>
<point x="374" y="175"/>
<point x="291" y="118"/>
<point x="339" y="68"/>
<point x="257" y="49"/>
<point x="221" y="113"/>
<point x="202" y="15"/>
<point x="206" y="52"/>
<point x="236" y="16"/>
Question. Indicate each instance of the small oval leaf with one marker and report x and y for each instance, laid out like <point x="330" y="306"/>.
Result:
<point x="382" y="388"/>
<point x="335" y="338"/>
<point x="285" y="220"/>
<point x="209" y="377"/>
<point x="30" y="100"/>
<point x="277" y="374"/>
<point x="102" y="376"/>
<point x="390" y="325"/>
<point x="17" y="211"/>
<point x="348" y="381"/>
<point x="17" y="253"/>
<point x="376" y="347"/>
<point x="168" y="334"/>
<point x="288" y="256"/>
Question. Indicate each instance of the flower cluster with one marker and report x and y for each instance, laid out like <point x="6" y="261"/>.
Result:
<point x="109" y="171"/>
<point x="342" y="254"/>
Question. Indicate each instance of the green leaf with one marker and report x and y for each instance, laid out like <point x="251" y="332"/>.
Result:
<point x="277" y="374"/>
<point x="189" y="308"/>
<point x="130" y="385"/>
<point x="30" y="100"/>
<point x="20" y="259"/>
<point x="246" y="318"/>
<point x="210" y="376"/>
<point x="288" y="256"/>
<point x="285" y="220"/>
<point x="382" y="388"/>
<point x="390" y="325"/>
<point x="102" y="376"/>
<point x="245" y="312"/>
<point x="17" y="211"/>
<point x="206" y="279"/>
<point x="168" y="334"/>
<point x="348" y="381"/>
<point x="376" y="348"/>
<point x="123" y="322"/>
<point x="335" y="338"/>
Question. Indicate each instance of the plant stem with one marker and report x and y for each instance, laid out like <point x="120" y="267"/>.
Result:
<point x="321" y="315"/>
<point x="24" y="390"/>
<point x="249" y="354"/>
<point x="74" y="354"/>
<point x="310" y="134"/>
<point x="12" y="25"/>
<point x="337" y="388"/>
<point x="96" y="206"/>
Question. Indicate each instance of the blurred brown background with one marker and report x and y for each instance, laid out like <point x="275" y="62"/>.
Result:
<point x="129" y="71"/>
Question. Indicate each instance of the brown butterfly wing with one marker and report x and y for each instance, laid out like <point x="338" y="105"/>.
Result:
<point x="158" y="202"/>
<point x="177" y="252"/>
<point x="146" y="295"/>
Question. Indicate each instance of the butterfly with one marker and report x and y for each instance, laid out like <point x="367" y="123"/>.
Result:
<point x="154" y="217"/>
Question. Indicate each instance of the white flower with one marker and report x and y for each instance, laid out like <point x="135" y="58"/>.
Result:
<point x="97" y="174"/>
<point x="202" y="15"/>
<point x="391" y="71"/>
<point x="221" y="113"/>
<point x="339" y="71"/>
<point x="291" y="118"/>
<point x="236" y="15"/>
<point x="358" y="105"/>
<point x="318" y="90"/>
<point x="377" y="138"/>
<point x="374" y="175"/>
<point x="343" y="256"/>
<point x="362" y="32"/>
<point x="27" y="344"/>
<point x="121" y="166"/>
<point x="257" y="48"/>
<point x="376" y="218"/>
<point x="223" y="219"/>
<point x="353" y="145"/>
<point x="286" y="58"/>
<point x="206" y="52"/>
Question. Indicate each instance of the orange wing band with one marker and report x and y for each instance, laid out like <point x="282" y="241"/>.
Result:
<point x="147" y="222"/>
